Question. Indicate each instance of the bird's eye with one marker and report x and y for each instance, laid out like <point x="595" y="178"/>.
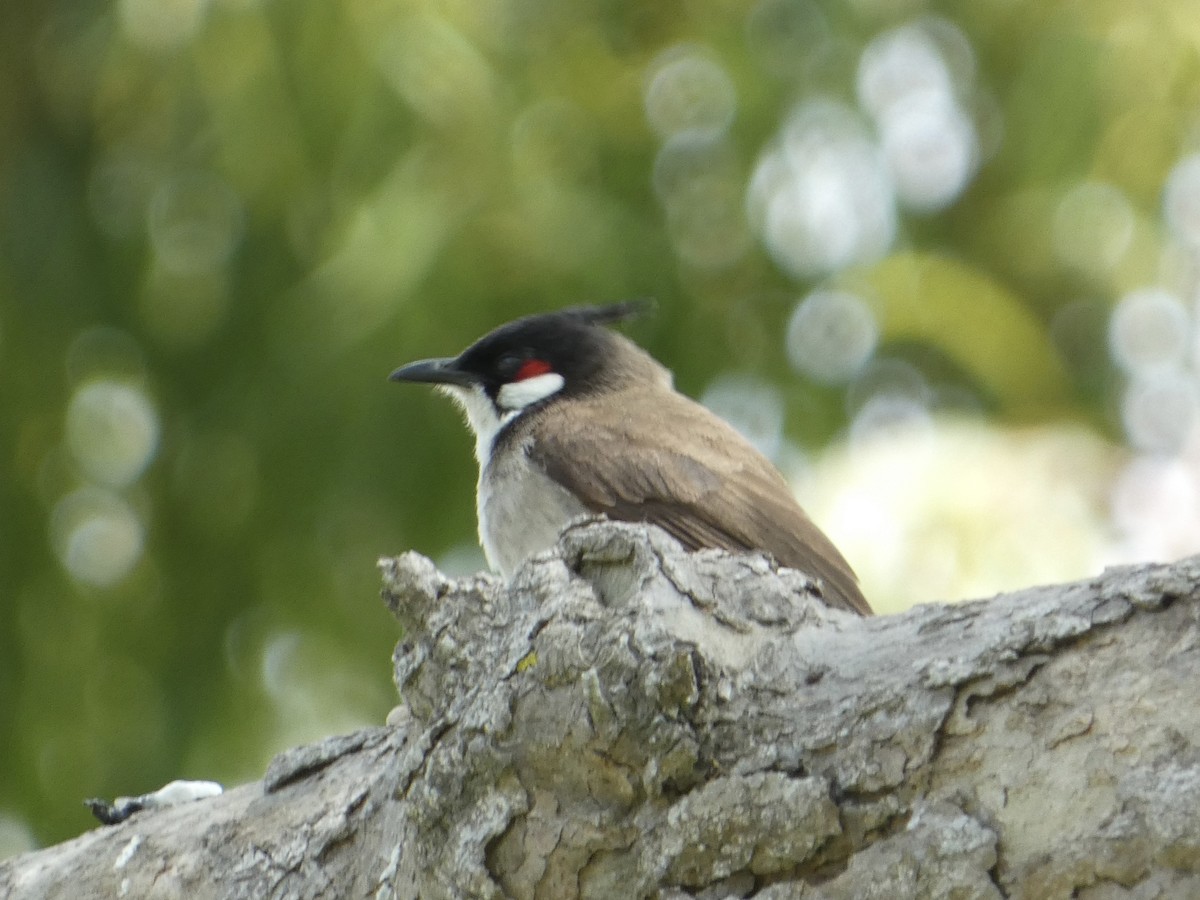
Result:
<point x="508" y="365"/>
<point x="512" y="367"/>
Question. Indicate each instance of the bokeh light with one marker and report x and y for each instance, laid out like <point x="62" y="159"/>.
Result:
<point x="698" y="183"/>
<point x="1093" y="228"/>
<point x="97" y="536"/>
<point x="928" y="139"/>
<point x="889" y="414"/>
<point x="1181" y="200"/>
<point x="889" y="397"/>
<point x="112" y="431"/>
<point x="820" y="196"/>
<point x="314" y="687"/>
<point x="1150" y="329"/>
<point x="931" y="149"/>
<point x="901" y="63"/>
<point x="830" y="336"/>
<point x="195" y="223"/>
<point x="887" y="377"/>
<point x="1159" y="410"/>
<point x="161" y="24"/>
<point x="688" y="90"/>
<point x="690" y="103"/>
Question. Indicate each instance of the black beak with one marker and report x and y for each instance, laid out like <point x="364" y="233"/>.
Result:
<point x="434" y="371"/>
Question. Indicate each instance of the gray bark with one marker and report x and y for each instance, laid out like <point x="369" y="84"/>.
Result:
<point x="627" y="720"/>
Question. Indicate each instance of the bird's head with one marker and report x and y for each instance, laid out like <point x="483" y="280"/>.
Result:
<point x="532" y="362"/>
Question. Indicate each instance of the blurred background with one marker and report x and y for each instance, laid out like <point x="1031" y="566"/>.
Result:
<point x="939" y="260"/>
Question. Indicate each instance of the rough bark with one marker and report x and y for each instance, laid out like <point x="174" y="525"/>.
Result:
<point x="627" y="720"/>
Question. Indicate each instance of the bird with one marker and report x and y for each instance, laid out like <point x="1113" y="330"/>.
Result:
<point x="573" y="419"/>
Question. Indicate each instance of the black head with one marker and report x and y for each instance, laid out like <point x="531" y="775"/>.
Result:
<point x="530" y="359"/>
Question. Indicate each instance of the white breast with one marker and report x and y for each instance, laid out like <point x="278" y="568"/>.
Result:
<point x="521" y="510"/>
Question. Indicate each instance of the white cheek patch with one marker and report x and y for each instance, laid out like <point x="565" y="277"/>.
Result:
<point x="521" y="394"/>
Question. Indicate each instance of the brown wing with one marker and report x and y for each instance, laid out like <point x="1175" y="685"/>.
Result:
<point x="722" y="493"/>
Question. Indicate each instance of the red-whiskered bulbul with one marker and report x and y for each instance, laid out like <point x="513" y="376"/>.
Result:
<point x="572" y="419"/>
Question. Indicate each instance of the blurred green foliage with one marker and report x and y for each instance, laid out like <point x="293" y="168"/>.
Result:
<point x="250" y="211"/>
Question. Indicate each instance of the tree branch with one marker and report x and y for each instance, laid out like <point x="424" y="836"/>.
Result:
<point x="628" y="720"/>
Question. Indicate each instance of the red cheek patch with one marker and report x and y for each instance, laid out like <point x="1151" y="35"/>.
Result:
<point x="532" y="368"/>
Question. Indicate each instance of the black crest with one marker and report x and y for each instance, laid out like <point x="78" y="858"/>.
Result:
<point x="571" y="341"/>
